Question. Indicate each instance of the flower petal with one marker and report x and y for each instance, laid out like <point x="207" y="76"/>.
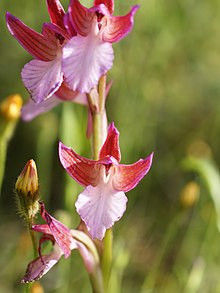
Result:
<point x="85" y="60"/>
<point x="42" y="78"/>
<point x="81" y="17"/>
<point x="41" y="265"/>
<point x="100" y="207"/>
<point x="60" y="232"/>
<point x="108" y="3"/>
<point x="56" y="12"/>
<point x="128" y="176"/>
<point x="68" y="25"/>
<point x="66" y="94"/>
<point x="31" y="110"/>
<point x="43" y="228"/>
<point x="83" y="170"/>
<point x="119" y="26"/>
<point x="111" y="145"/>
<point x="36" y="44"/>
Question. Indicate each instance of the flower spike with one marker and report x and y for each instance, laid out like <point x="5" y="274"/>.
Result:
<point x="103" y="201"/>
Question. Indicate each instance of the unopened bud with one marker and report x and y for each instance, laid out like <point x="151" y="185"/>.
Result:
<point x="27" y="182"/>
<point x="10" y="108"/>
<point x="27" y="190"/>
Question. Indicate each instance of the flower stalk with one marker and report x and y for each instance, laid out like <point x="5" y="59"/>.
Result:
<point x="99" y="122"/>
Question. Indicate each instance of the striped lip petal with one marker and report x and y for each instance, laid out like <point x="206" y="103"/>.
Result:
<point x="42" y="79"/>
<point x="100" y="207"/>
<point x="128" y="176"/>
<point x="111" y="145"/>
<point x="36" y="44"/>
<point x="108" y="3"/>
<point x="85" y="60"/>
<point x="81" y="17"/>
<point x="56" y="12"/>
<point x="84" y="171"/>
<point x="119" y="26"/>
<point x="59" y="231"/>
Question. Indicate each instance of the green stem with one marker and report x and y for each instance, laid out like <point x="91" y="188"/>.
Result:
<point x="107" y="258"/>
<point x="97" y="107"/>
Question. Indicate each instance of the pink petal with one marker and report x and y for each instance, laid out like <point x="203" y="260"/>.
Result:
<point x="31" y="110"/>
<point x="41" y="265"/>
<point x="42" y="78"/>
<point x="83" y="170"/>
<point x="56" y="12"/>
<point x="68" y="25"/>
<point x="119" y="26"/>
<point x="81" y="17"/>
<point x="108" y="3"/>
<point x="36" y="44"/>
<point x="85" y="60"/>
<point x="87" y="257"/>
<point x="100" y="207"/>
<point x="128" y="176"/>
<point x="111" y="145"/>
<point x="43" y="228"/>
<point x="66" y="94"/>
<point x="60" y="232"/>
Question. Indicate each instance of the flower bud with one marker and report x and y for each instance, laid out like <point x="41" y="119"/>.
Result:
<point x="10" y="108"/>
<point x="27" y="190"/>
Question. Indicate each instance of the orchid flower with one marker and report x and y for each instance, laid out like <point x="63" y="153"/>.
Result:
<point x="64" y="240"/>
<point x="103" y="201"/>
<point x="71" y="53"/>
<point x="89" y="54"/>
<point x="43" y="76"/>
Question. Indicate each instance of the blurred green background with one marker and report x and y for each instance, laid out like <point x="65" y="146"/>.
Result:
<point x="164" y="98"/>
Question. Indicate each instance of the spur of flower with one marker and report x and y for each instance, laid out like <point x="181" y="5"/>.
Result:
<point x="63" y="240"/>
<point x="71" y="54"/>
<point x="103" y="201"/>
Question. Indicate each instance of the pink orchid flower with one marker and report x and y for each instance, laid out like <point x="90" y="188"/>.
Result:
<point x="103" y="202"/>
<point x="64" y="240"/>
<point x="89" y="54"/>
<point x="43" y="76"/>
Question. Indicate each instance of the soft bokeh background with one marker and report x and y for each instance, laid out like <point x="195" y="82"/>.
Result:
<point x="165" y="98"/>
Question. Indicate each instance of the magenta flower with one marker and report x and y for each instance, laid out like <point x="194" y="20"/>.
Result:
<point x="71" y="53"/>
<point x="63" y="240"/>
<point x="89" y="54"/>
<point x="43" y="76"/>
<point x="103" y="201"/>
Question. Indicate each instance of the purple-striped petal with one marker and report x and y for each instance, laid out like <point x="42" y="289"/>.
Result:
<point x="31" y="110"/>
<point x="85" y="60"/>
<point x="36" y="44"/>
<point x="108" y="3"/>
<point x="111" y="145"/>
<point x="100" y="207"/>
<point x="84" y="171"/>
<point x="42" y="79"/>
<point x="41" y="265"/>
<point x="128" y="176"/>
<point x="60" y="232"/>
<point x="119" y="26"/>
<point x="56" y="12"/>
<point x="81" y="17"/>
